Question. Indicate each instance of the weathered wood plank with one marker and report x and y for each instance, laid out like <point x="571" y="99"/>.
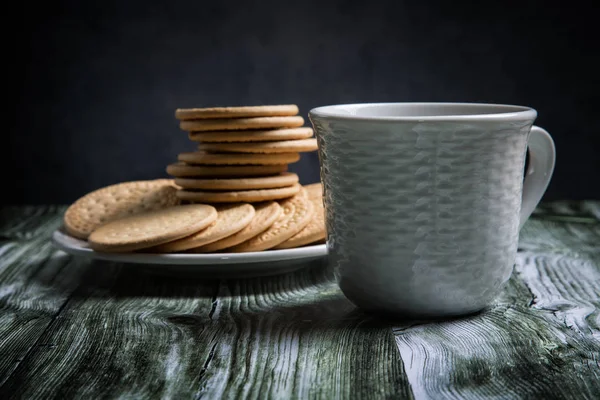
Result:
<point x="563" y="227"/>
<point x="35" y="281"/>
<point x="287" y="336"/>
<point x="298" y="337"/>
<point x="507" y="352"/>
<point x="540" y="339"/>
<point x="565" y="288"/>
<point x="121" y="334"/>
<point x="292" y="336"/>
<point x="27" y="222"/>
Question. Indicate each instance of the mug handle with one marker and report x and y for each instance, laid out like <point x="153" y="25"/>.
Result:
<point x="542" y="155"/>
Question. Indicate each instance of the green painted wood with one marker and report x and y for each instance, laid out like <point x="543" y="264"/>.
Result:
<point x="297" y="337"/>
<point x="541" y="339"/>
<point x="126" y="333"/>
<point x="70" y="328"/>
<point x="35" y="281"/>
<point x="120" y="334"/>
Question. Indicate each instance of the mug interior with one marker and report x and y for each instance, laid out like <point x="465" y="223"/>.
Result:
<point x="425" y="111"/>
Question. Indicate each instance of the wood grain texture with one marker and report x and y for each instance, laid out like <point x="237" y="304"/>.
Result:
<point x="568" y="228"/>
<point x="119" y="335"/>
<point x="540" y="339"/>
<point x="29" y="222"/>
<point x="297" y="337"/>
<point x="35" y="281"/>
<point x="126" y="333"/>
<point x="70" y="328"/>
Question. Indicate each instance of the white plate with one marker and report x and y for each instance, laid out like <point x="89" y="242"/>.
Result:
<point x="268" y="262"/>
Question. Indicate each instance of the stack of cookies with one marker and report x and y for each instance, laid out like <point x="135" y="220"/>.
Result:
<point x="242" y="154"/>
<point x="239" y="174"/>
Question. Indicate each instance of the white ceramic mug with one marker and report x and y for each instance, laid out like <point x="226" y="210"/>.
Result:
<point x="424" y="201"/>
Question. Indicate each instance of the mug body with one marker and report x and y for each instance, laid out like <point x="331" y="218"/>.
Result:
<point x="422" y="202"/>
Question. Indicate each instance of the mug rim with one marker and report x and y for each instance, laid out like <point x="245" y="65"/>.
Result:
<point x="506" y="112"/>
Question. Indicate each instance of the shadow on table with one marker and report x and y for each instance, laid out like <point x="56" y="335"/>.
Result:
<point x="306" y="299"/>
<point x="107" y="279"/>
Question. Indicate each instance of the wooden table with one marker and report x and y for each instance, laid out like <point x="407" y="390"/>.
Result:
<point x="72" y="328"/>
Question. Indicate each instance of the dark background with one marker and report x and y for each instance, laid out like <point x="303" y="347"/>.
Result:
<point x="93" y="88"/>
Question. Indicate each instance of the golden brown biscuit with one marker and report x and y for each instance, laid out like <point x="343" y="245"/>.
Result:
<point x="297" y="212"/>
<point x="116" y="201"/>
<point x="266" y="182"/>
<point x="236" y="112"/>
<point x="235" y="124"/>
<point x="200" y="157"/>
<point x="250" y="196"/>
<point x="230" y="219"/>
<point x="181" y="169"/>
<point x="286" y="146"/>
<point x="151" y="228"/>
<point x="266" y="214"/>
<point x="313" y="232"/>
<point x="314" y="190"/>
<point x="270" y="135"/>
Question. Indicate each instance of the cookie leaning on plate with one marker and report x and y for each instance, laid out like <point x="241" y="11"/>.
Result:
<point x="313" y="232"/>
<point x="266" y="214"/>
<point x="230" y="219"/>
<point x="296" y="214"/>
<point x="314" y="190"/>
<point x="236" y="112"/>
<point x="116" y="201"/>
<point x="151" y="228"/>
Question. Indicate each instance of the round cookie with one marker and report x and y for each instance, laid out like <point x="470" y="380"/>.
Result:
<point x="252" y="136"/>
<point x="230" y="219"/>
<point x="296" y="214"/>
<point x="266" y="214"/>
<point x="250" y="196"/>
<point x="116" y="201"/>
<point x="200" y="157"/>
<point x="152" y="228"/>
<point x="181" y="169"/>
<point x="286" y="146"/>
<point x="235" y="124"/>
<point x="314" y="190"/>
<point x="266" y="182"/>
<point x="313" y="232"/>
<point x="236" y="112"/>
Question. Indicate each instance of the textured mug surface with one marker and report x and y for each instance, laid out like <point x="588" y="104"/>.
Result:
<point x="423" y="201"/>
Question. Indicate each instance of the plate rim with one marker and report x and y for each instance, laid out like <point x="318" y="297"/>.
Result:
<point x="69" y="244"/>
